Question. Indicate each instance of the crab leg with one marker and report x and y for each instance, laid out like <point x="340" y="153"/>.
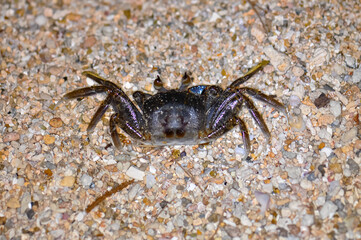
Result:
<point x="225" y="127"/>
<point x="222" y="128"/>
<point x="229" y="102"/>
<point x="127" y="126"/>
<point x="249" y="74"/>
<point x="264" y="98"/>
<point x="85" y="92"/>
<point x="256" y="116"/>
<point x="99" y="113"/>
<point x="245" y="136"/>
<point x="140" y="98"/>
<point x="100" y="80"/>
<point x="113" y="131"/>
<point x="121" y="103"/>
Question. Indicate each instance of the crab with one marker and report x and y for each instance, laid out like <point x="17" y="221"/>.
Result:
<point x="183" y="116"/>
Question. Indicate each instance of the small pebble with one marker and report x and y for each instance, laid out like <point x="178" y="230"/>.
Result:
<point x="335" y="108"/>
<point x="339" y="69"/>
<point x="320" y="56"/>
<point x="30" y="213"/>
<point x="48" y="12"/>
<point x="115" y="226"/>
<point x="356" y="77"/>
<point x="347" y="172"/>
<point x="73" y="16"/>
<point x="297" y="71"/>
<point x="349" y="135"/>
<point x="86" y="180"/>
<point x="25" y="201"/>
<point x="67" y="181"/>
<point x="295" y="119"/>
<point x="245" y="221"/>
<point x="214" y="17"/>
<point x="239" y="150"/>
<point x="279" y="60"/>
<point x="13" y="136"/>
<point x="311" y="177"/>
<point x="56" y="122"/>
<point x="108" y="30"/>
<point x="263" y="199"/>
<point x="293" y="172"/>
<point x="335" y="167"/>
<point x="321" y="101"/>
<point x="328" y="210"/>
<point x="305" y="184"/>
<point x="202" y="154"/>
<point x="135" y="173"/>
<point x="258" y="33"/>
<point x="179" y="171"/>
<point x="350" y="61"/>
<point x="57" y="234"/>
<point x="55" y="70"/>
<point x="45" y="217"/>
<point x="267" y="188"/>
<point x="324" y="134"/>
<point x="294" y="101"/>
<point x="320" y="201"/>
<point x="334" y="188"/>
<point x="321" y="168"/>
<point x="286" y="212"/>
<point x="299" y="91"/>
<point x="308" y="220"/>
<point x="354" y="167"/>
<point x="41" y="20"/>
<point x="326" y="119"/>
<point x="328" y="151"/>
<point x="13" y="203"/>
<point x="150" y="180"/>
<point x="133" y="192"/>
<point x="152" y="169"/>
<point x="89" y="42"/>
<point x="289" y="155"/>
<point x="48" y="139"/>
<point x="80" y="216"/>
<point x="339" y="204"/>
<point x="295" y="205"/>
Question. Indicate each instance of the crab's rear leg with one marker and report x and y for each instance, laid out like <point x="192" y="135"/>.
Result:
<point x="256" y="116"/>
<point x="264" y="98"/>
<point x="85" y="92"/>
<point x="245" y="136"/>
<point x="113" y="131"/>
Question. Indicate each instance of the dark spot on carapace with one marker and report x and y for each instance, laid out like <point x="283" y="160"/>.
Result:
<point x="180" y="133"/>
<point x="169" y="133"/>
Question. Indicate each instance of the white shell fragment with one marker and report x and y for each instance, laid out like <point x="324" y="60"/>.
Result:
<point x="135" y="173"/>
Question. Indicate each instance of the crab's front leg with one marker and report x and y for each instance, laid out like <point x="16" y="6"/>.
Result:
<point x="128" y="118"/>
<point x="226" y="125"/>
<point x="127" y="127"/>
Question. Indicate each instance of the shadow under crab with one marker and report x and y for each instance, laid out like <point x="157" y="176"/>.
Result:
<point x="184" y="116"/>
